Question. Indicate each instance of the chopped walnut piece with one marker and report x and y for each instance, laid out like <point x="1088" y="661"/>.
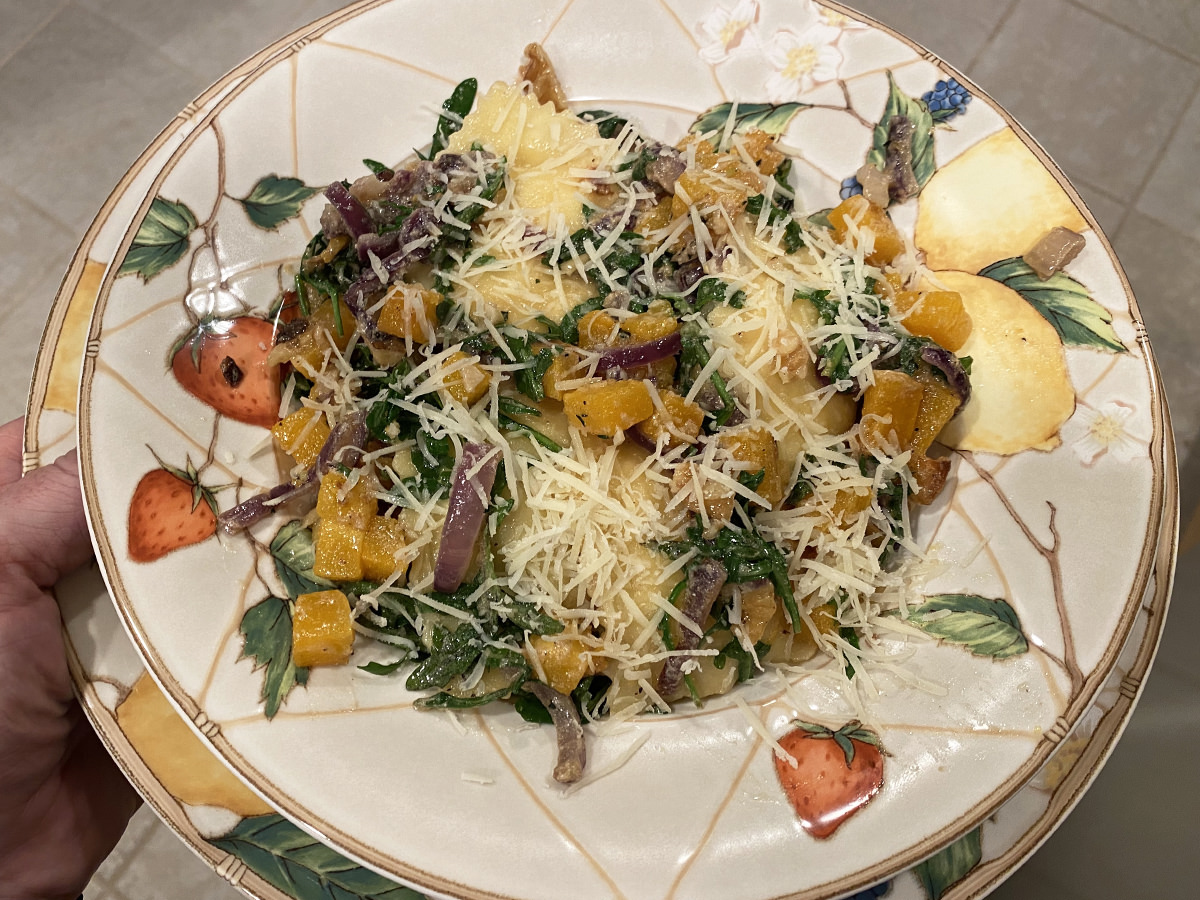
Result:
<point x="537" y="69"/>
<point x="1054" y="251"/>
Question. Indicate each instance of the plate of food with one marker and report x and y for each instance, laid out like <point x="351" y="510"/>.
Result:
<point x="592" y="447"/>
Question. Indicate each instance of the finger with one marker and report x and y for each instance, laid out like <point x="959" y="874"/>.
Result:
<point x="43" y="530"/>
<point x="12" y="448"/>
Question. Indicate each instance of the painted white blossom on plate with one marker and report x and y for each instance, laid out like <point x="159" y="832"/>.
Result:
<point x="842" y="21"/>
<point x="1094" y="432"/>
<point x="726" y="28"/>
<point x="802" y="61"/>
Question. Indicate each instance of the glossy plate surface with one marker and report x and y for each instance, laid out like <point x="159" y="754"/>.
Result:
<point x="231" y="205"/>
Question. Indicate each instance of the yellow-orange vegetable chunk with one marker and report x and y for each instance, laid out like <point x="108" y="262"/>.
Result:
<point x="757" y="448"/>
<point x="857" y="209"/>
<point x="678" y="422"/>
<point x="758" y="608"/>
<point x="889" y="414"/>
<point x="301" y="435"/>
<point x="468" y="382"/>
<point x="564" y="661"/>
<point x="649" y="327"/>
<point x="565" y="367"/>
<point x="307" y="351"/>
<point x="322" y="634"/>
<point x="355" y="506"/>
<point x="606" y="407"/>
<point x="337" y="550"/>
<point x="938" y="315"/>
<point x="382" y="541"/>
<point x="597" y="330"/>
<point x="939" y="402"/>
<point x="410" y="311"/>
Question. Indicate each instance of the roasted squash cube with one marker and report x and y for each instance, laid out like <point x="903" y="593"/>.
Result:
<point x="757" y="448"/>
<point x="606" y="407"/>
<point x="355" y="506"/>
<point x="679" y="421"/>
<point x="410" y="312"/>
<point x="857" y="214"/>
<point x="939" y="403"/>
<point x="301" y="435"/>
<point x="564" y="661"/>
<point x="649" y="327"/>
<point x="383" y="541"/>
<point x="322" y="633"/>
<point x="938" y="315"/>
<point x="337" y="550"/>
<point x="597" y="329"/>
<point x="889" y="414"/>
<point x="307" y="351"/>
<point x="565" y="367"/>
<point x="468" y="381"/>
<point x="758" y="608"/>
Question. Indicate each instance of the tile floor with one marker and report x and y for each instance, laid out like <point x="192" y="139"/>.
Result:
<point x="1112" y="89"/>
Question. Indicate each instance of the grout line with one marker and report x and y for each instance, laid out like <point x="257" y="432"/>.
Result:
<point x="1163" y="147"/>
<point x="38" y="30"/>
<point x="1000" y="23"/>
<point x="1178" y="54"/>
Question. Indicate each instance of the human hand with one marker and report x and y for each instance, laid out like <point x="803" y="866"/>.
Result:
<point x="63" y="803"/>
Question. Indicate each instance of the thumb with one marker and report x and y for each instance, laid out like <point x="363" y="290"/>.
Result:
<point x="43" y="529"/>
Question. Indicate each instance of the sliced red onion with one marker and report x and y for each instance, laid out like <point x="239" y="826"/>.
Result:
<point x="947" y="363"/>
<point x="704" y="584"/>
<point x="260" y="506"/>
<point x="572" y="752"/>
<point x="344" y="445"/>
<point x="354" y="214"/>
<point x="631" y="355"/>
<point x="382" y="245"/>
<point x="473" y="479"/>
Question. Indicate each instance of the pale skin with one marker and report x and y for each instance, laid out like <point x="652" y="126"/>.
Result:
<point x="63" y="802"/>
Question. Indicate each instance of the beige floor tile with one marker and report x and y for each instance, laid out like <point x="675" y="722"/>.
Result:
<point x="151" y="863"/>
<point x="1167" y="197"/>
<point x="32" y="246"/>
<point x="212" y="37"/>
<point x="1101" y="100"/>
<point x="1109" y="211"/>
<point x="1157" y="260"/>
<point x="79" y="101"/>
<point x="1173" y="23"/>
<point x="21" y="20"/>
<point x="956" y="30"/>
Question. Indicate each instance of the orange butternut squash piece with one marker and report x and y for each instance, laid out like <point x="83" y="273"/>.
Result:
<point x="322" y="634"/>
<point x="889" y="414"/>
<point x="938" y="315"/>
<point x="301" y="435"/>
<point x="468" y="383"/>
<point x="565" y="661"/>
<point x="679" y="421"/>
<point x="606" y="407"/>
<point x="337" y="550"/>
<point x="355" y="506"/>
<point x="410" y="312"/>
<point x="383" y="540"/>
<point x="857" y="209"/>
<point x="757" y="447"/>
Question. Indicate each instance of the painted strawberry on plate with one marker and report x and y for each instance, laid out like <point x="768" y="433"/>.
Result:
<point x="170" y="509"/>
<point x="836" y="773"/>
<point x="223" y="362"/>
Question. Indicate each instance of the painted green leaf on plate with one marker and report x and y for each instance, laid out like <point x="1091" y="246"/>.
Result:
<point x="773" y="118"/>
<point x="161" y="239"/>
<point x="274" y="200"/>
<point x="292" y="550"/>
<point x="950" y="865"/>
<point x="267" y="629"/>
<point x="301" y="866"/>
<point x="900" y="104"/>
<point x="1063" y="302"/>
<point x="985" y="627"/>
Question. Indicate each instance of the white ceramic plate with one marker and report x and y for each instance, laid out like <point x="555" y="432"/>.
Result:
<point x="716" y="819"/>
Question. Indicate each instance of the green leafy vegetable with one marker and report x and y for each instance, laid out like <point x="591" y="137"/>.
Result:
<point x="607" y="123"/>
<point x="454" y="110"/>
<point x="450" y="653"/>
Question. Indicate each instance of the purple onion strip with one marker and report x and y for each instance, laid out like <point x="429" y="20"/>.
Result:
<point x="643" y="354"/>
<point x="354" y="214"/>
<point x="948" y="364"/>
<point x="473" y="480"/>
<point x="572" y="752"/>
<point x="704" y="585"/>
